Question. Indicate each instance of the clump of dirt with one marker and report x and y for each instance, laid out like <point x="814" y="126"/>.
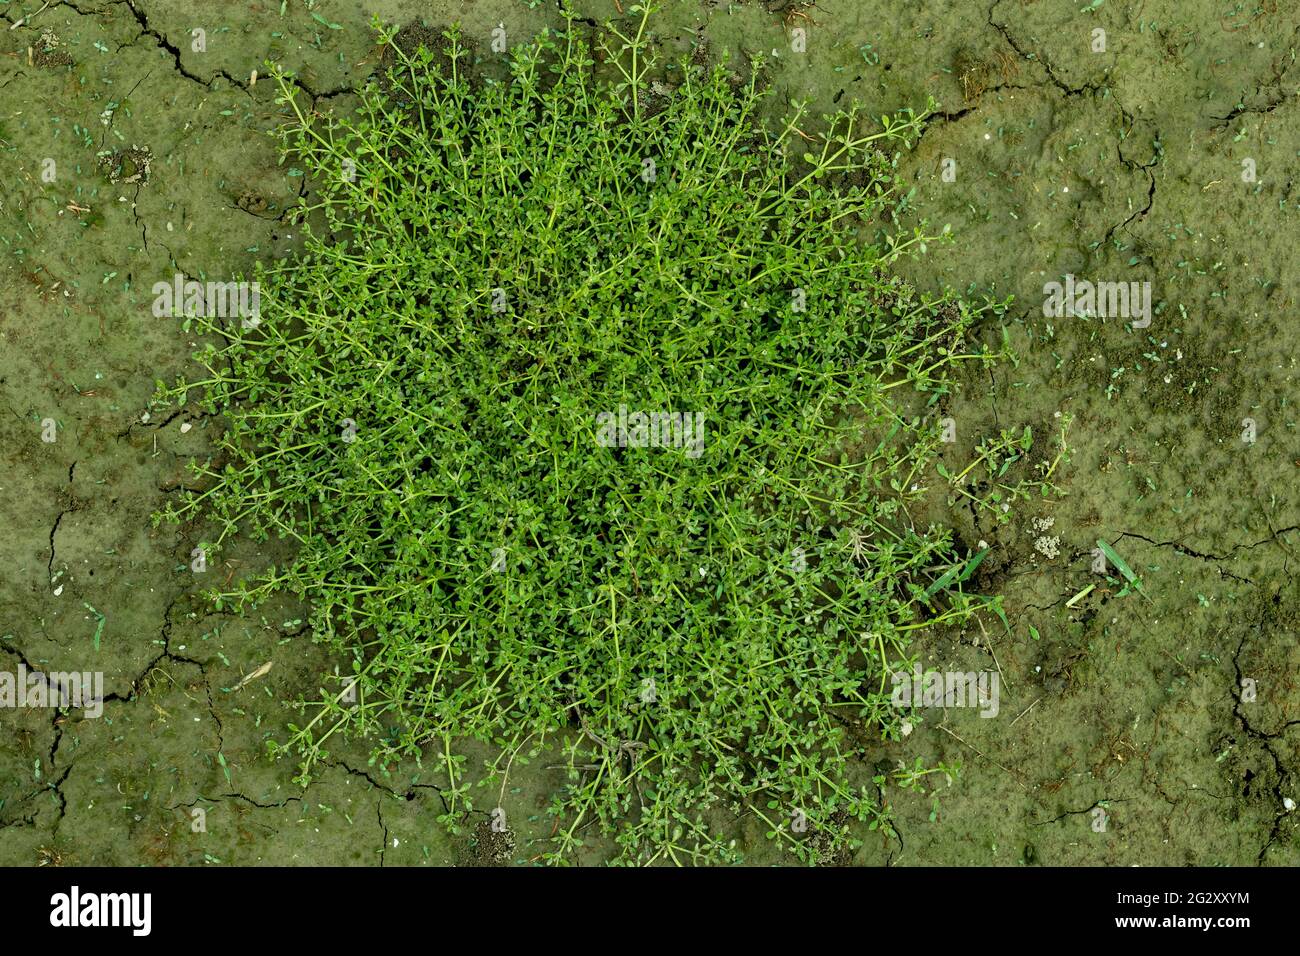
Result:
<point x="828" y="850"/>
<point x="978" y="75"/>
<point x="48" y="51"/>
<point x="127" y="166"/>
<point x="252" y="203"/>
<point x="492" y="847"/>
<point x="411" y="37"/>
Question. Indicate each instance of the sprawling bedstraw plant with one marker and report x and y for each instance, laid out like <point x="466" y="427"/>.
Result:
<point x="440" y="407"/>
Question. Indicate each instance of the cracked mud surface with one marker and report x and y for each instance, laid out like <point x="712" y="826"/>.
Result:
<point x="1173" y="717"/>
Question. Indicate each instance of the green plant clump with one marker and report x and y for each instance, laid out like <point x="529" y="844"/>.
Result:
<point x="699" y="611"/>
